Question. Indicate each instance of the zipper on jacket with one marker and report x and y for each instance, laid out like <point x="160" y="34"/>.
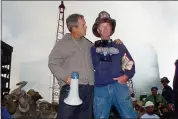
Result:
<point x="84" y="56"/>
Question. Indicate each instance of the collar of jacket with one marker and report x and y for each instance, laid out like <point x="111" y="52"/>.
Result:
<point x="68" y="36"/>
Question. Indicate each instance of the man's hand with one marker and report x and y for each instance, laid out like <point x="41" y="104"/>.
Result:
<point x="118" y="41"/>
<point x="122" y="79"/>
<point x="68" y="78"/>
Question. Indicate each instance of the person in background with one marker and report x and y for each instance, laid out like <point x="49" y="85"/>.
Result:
<point x="167" y="92"/>
<point x="4" y="113"/>
<point x="149" y="106"/>
<point x="168" y="112"/>
<point x="136" y="106"/>
<point x="175" y="86"/>
<point x="170" y="107"/>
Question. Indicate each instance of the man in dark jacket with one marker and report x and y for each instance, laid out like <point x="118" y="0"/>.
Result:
<point x="167" y="90"/>
<point x="175" y="86"/>
<point x="113" y="67"/>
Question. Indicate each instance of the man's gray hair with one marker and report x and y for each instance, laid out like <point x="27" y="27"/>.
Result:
<point x="72" y="21"/>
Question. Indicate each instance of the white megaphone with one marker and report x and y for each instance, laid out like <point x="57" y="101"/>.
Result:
<point x="73" y="97"/>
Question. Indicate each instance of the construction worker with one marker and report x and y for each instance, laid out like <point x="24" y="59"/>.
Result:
<point x="113" y="67"/>
<point x="157" y="99"/>
<point x="167" y="92"/>
<point x="149" y="106"/>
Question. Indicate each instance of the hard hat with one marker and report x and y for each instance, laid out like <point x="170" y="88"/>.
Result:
<point x="31" y="92"/>
<point x="149" y="103"/>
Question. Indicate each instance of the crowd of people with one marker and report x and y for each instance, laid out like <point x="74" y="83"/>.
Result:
<point x="157" y="105"/>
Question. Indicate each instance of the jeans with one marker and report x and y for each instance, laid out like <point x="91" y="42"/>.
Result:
<point x="83" y="111"/>
<point x="113" y="94"/>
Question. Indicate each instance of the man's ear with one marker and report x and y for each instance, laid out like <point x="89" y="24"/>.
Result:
<point x="74" y="29"/>
<point x="98" y="30"/>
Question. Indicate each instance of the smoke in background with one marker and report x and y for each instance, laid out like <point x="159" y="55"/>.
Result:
<point x="147" y="70"/>
<point x="38" y="76"/>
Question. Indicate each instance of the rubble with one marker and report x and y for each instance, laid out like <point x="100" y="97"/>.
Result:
<point x="22" y="104"/>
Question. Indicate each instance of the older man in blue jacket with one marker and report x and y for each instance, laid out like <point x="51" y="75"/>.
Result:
<point x="113" y="67"/>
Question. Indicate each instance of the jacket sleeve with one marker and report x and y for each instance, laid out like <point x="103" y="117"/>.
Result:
<point x="170" y="92"/>
<point x="128" y="64"/>
<point x="162" y="100"/>
<point x="56" y="61"/>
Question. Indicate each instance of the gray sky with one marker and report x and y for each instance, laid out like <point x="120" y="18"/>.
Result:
<point x="30" y="27"/>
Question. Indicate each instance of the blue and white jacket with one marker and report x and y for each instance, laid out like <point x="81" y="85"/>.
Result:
<point x="122" y="63"/>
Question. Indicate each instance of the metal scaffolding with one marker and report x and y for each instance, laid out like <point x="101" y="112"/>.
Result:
<point x="60" y="33"/>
